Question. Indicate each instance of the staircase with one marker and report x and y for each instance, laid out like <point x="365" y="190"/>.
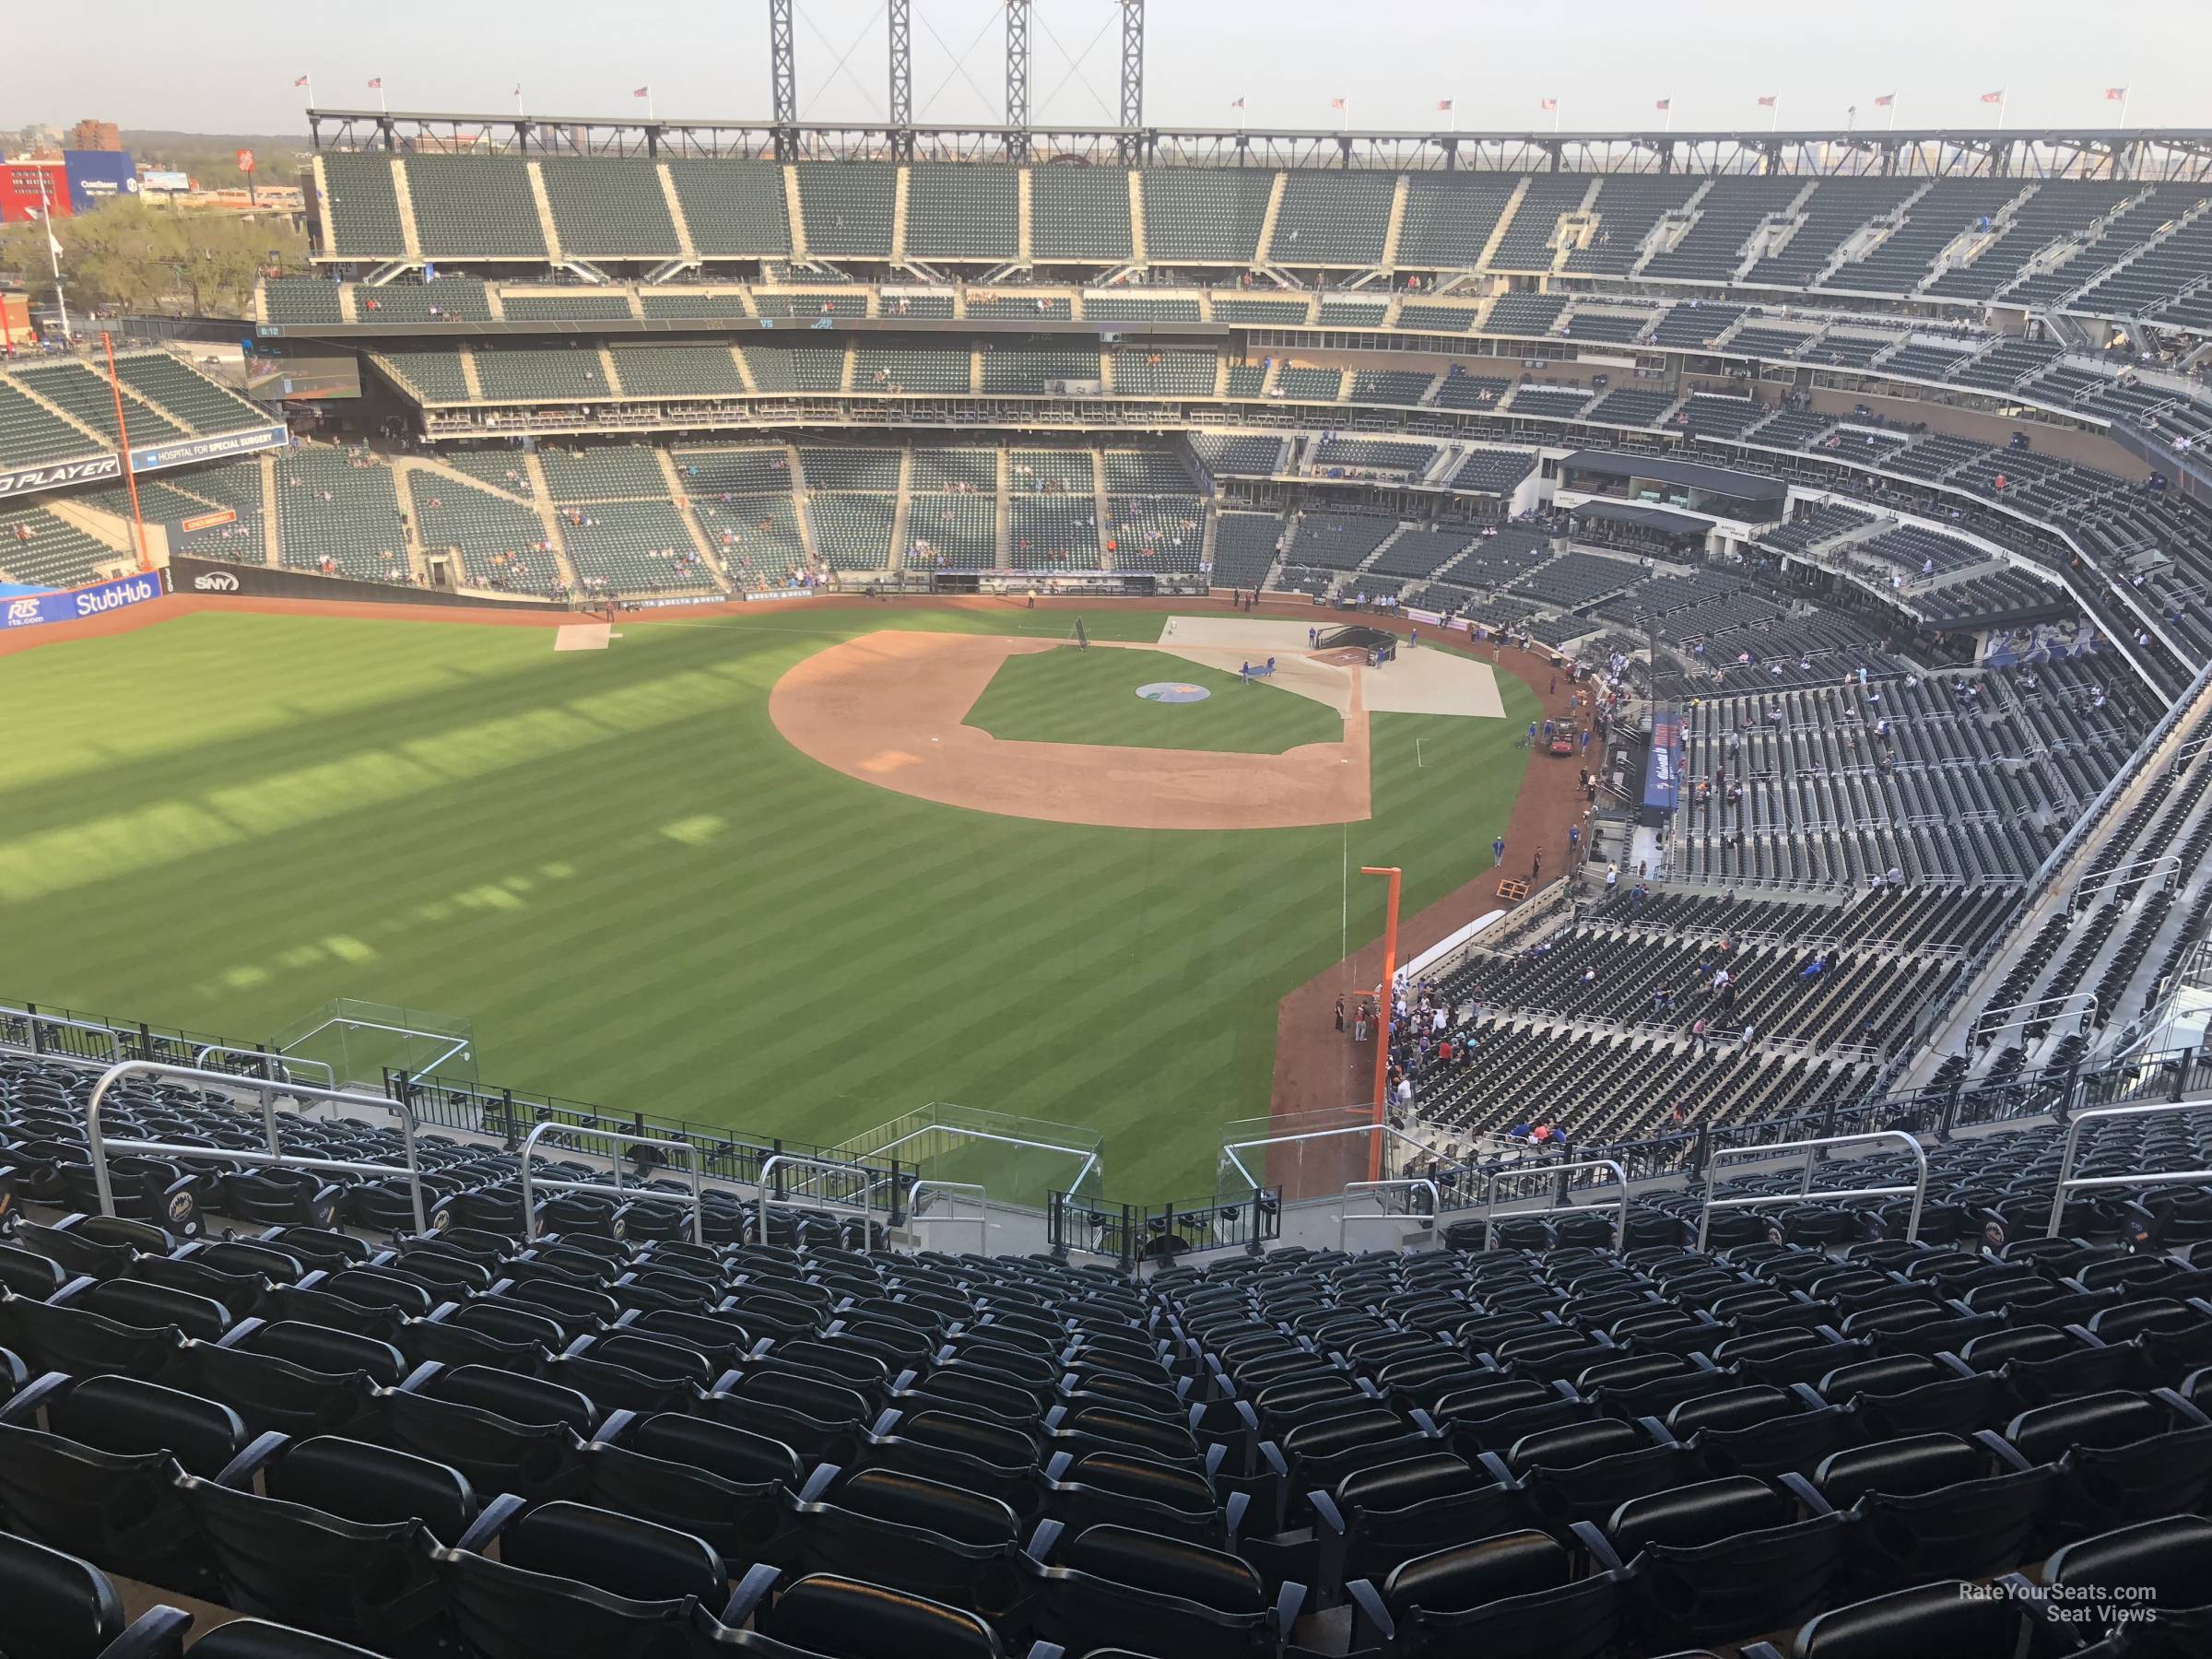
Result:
<point x="684" y="243"/>
<point x="902" y="507"/>
<point x="793" y="209"/>
<point x="1021" y="216"/>
<point x="1867" y="238"/>
<point x="1136" y="218"/>
<point x="898" y="192"/>
<point x="410" y="238"/>
<point x="1513" y="206"/>
<point x="544" y="213"/>
<point x="1397" y="223"/>
<point x="468" y="375"/>
<point x="95" y="439"/>
<point x="975" y="369"/>
<point x="800" y="514"/>
<point x="1098" y="491"/>
<point x="710" y="556"/>
<point x="1263" y="254"/>
<point x="1003" y="548"/>
<point x="269" y="552"/>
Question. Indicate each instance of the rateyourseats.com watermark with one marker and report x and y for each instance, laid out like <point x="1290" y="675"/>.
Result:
<point x="2075" y="1604"/>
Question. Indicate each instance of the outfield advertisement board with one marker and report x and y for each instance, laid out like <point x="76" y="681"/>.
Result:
<point x="79" y="603"/>
<point x="211" y="578"/>
<point x="93" y="469"/>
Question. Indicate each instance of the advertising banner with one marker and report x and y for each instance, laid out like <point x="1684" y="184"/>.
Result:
<point x="1663" y="767"/>
<point x="154" y="456"/>
<point x="78" y="603"/>
<point x="91" y="470"/>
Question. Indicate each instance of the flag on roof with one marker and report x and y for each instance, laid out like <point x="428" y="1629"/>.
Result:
<point x="643" y="92"/>
<point x="1885" y="100"/>
<point x="1237" y="104"/>
<point x="1997" y="97"/>
<point x="1769" y="102"/>
<point x="1665" y="103"/>
<point x="301" y="81"/>
<point x="377" y="85"/>
<point x="1550" y="104"/>
<point x="1336" y="103"/>
<point x="2115" y="93"/>
<point x="1443" y="103"/>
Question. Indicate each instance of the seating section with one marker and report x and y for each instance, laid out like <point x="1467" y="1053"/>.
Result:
<point x="303" y="300"/>
<point x="1196" y="216"/>
<point x="88" y="398"/>
<point x="631" y="548"/>
<point x="37" y="549"/>
<point x="1449" y="218"/>
<point x="537" y="375"/>
<point x="184" y="394"/>
<point x="502" y="544"/>
<point x="1332" y="218"/>
<point x="337" y="513"/>
<point x="1080" y="213"/>
<point x="677" y="371"/>
<point x="796" y="368"/>
<point x="848" y="208"/>
<point x="609" y="208"/>
<point x="961" y="210"/>
<point x="1244" y="547"/>
<point x="1164" y="373"/>
<point x="734" y="209"/>
<point x="1899" y="261"/>
<point x="475" y="207"/>
<point x="31" y="435"/>
<point x="757" y="537"/>
<point x="1628" y="207"/>
<point x="360" y="208"/>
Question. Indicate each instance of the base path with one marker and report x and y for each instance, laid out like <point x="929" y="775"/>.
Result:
<point x="889" y="709"/>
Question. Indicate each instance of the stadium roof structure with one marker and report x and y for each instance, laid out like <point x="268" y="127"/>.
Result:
<point x="1645" y="518"/>
<point x="2180" y="154"/>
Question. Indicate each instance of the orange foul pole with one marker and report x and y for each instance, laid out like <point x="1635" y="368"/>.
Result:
<point x="123" y="447"/>
<point x="1383" y="1010"/>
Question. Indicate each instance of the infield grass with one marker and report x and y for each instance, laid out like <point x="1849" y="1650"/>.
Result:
<point x="645" y="898"/>
<point x="1071" y="695"/>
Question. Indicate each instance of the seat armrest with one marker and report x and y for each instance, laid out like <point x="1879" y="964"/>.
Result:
<point x="750" y="1595"/>
<point x="1373" y="1626"/>
<point x="157" y="1633"/>
<point x="1595" y="1542"/>
<point x="23" y="1408"/>
<point x="1041" y="1541"/>
<point x="494" y="1519"/>
<point x="617" y="1424"/>
<point x="2003" y="1450"/>
<point x="238" y="1474"/>
<point x="819" y="1482"/>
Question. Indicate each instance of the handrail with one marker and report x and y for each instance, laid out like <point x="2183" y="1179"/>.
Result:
<point x="283" y="1062"/>
<point x="1489" y="1193"/>
<point x="1344" y="1219"/>
<point x="109" y="1032"/>
<point x="980" y="1221"/>
<point x="561" y="1183"/>
<point x="1917" y="1192"/>
<point x="767" y="1190"/>
<point x="97" y="1145"/>
<point x="2069" y="1181"/>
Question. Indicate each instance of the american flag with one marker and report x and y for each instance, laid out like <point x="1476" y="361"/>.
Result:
<point x="1997" y="97"/>
<point x="1665" y="103"/>
<point x="1767" y="103"/>
<point x="1238" y="104"/>
<point x="1336" y="103"/>
<point x="2116" y="94"/>
<point x="1885" y="100"/>
<point x="1550" y="104"/>
<point x="1444" y="104"/>
<point x="377" y="85"/>
<point x="643" y="92"/>
<point x="300" y="82"/>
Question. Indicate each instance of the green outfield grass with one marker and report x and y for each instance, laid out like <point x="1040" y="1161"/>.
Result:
<point x="1071" y="695"/>
<point x="645" y="898"/>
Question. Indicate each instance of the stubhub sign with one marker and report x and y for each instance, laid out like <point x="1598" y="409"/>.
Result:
<point x="94" y="601"/>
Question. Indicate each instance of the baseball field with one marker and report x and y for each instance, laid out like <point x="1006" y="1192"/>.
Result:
<point x="646" y="895"/>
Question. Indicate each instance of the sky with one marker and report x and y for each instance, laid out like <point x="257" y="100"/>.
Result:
<point x="195" y="67"/>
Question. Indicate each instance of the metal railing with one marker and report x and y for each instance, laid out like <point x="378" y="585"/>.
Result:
<point x="770" y="1191"/>
<point x="1917" y="1192"/>
<point x="2070" y="1183"/>
<point x="981" y="1221"/>
<point x="98" y="1146"/>
<point x="1409" y="1185"/>
<point x="1558" y="1173"/>
<point x="38" y="1023"/>
<point x="276" y="1069"/>
<point x="566" y="1184"/>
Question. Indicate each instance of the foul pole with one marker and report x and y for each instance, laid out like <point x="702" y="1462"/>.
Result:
<point x="1383" y="1010"/>
<point x="123" y="447"/>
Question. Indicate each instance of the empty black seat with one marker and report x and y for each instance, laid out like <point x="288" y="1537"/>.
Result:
<point x="1516" y="1595"/>
<point x="1725" y="1559"/>
<point x="1930" y="1506"/>
<point x="1948" y="1617"/>
<point x="1157" y="1595"/>
<point x="57" y="1607"/>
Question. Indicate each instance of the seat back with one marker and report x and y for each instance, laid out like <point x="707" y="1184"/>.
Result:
<point x="55" y="1605"/>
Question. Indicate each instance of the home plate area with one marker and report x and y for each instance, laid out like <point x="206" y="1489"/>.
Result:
<point x="1413" y="682"/>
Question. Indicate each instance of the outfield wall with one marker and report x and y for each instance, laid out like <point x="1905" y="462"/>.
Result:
<point x="211" y="579"/>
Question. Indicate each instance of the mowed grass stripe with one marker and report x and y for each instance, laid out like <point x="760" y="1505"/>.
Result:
<point x="675" y="913"/>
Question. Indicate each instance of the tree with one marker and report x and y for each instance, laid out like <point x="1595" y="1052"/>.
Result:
<point x="129" y="255"/>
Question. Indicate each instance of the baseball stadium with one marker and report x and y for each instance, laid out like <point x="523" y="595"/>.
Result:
<point x="902" y="890"/>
